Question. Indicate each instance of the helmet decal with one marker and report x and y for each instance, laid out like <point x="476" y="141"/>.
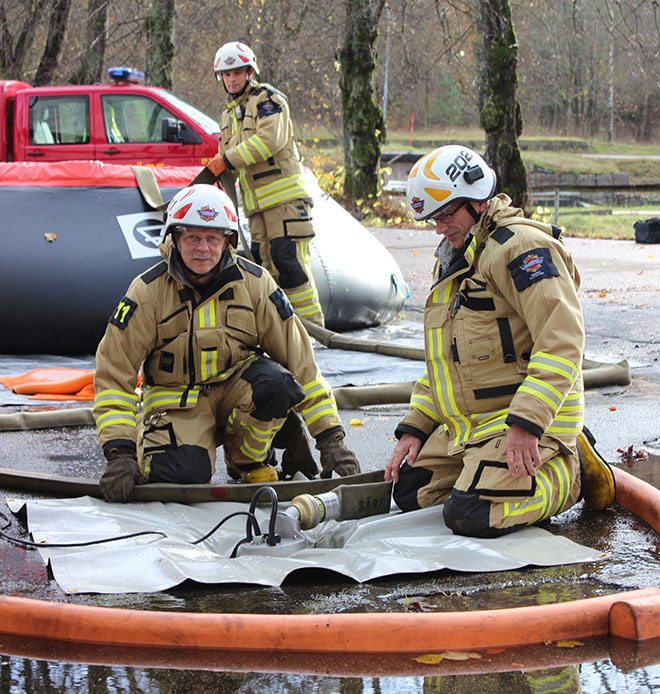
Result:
<point x="181" y="212"/>
<point x="417" y="204"/>
<point x="436" y="194"/>
<point x="230" y="214"/>
<point x="429" y="163"/>
<point x="230" y="60"/>
<point x="207" y="214"/>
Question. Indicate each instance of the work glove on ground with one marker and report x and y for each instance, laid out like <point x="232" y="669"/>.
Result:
<point x="120" y="476"/>
<point x="296" y="457"/>
<point x="217" y="165"/>
<point x="335" y="456"/>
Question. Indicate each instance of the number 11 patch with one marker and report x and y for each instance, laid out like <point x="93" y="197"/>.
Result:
<point x="123" y="313"/>
<point x="531" y="267"/>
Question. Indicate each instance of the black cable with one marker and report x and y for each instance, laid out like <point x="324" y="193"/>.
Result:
<point x="272" y="538"/>
<point x="252" y="524"/>
<point x="251" y="517"/>
<point x="28" y="543"/>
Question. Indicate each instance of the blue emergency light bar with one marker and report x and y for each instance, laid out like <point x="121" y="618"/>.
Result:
<point x="125" y="74"/>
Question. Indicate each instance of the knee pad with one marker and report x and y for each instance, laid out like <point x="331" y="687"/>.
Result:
<point x="180" y="465"/>
<point x="283" y="252"/>
<point x="467" y="514"/>
<point x="274" y="389"/>
<point x="411" y="480"/>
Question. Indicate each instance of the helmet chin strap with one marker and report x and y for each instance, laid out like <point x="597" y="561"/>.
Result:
<point x="475" y="215"/>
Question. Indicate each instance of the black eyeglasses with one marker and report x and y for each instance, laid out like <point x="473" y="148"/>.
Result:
<point x="445" y="217"/>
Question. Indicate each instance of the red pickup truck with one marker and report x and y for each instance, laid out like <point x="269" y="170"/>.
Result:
<point x="123" y="123"/>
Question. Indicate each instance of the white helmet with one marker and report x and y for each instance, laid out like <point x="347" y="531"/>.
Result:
<point x="231" y="56"/>
<point x="449" y="173"/>
<point x="202" y="206"/>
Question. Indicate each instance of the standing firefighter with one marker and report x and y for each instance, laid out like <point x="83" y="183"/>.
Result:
<point x="495" y="426"/>
<point x="199" y="324"/>
<point x="256" y="141"/>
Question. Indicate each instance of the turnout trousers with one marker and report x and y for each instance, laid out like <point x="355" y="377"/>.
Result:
<point x="481" y="498"/>
<point x="280" y="238"/>
<point x="242" y="413"/>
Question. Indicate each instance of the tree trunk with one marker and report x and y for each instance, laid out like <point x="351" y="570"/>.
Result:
<point x="500" y="113"/>
<point x="51" y="55"/>
<point x="91" y="64"/>
<point x="364" y="128"/>
<point x="159" y="33"/>
<point x="14" y="49"/>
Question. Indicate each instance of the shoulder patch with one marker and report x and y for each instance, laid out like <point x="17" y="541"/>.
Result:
<point x="532" y="266"/>
<point x="154" y="272"/>
<point x="268" y="108"/>
<point x="248" y="265"/>
<point x="123" y="312"/>
<point x="284" y="308"/>
<point x="502" y="235"/>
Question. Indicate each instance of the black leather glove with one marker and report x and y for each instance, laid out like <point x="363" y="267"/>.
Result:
<point x="120" y="476"/>
<point x="335" y="456"/>
<point x="296" y="456"/>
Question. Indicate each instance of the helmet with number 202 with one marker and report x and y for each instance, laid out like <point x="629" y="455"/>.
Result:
<point x="232" y="56"/>
<point x="449" y="173"/>
<point x="202" y="206"/>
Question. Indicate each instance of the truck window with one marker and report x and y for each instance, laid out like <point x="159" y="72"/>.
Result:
<point x="58" y="120"/>
<point x="132" y="118"/>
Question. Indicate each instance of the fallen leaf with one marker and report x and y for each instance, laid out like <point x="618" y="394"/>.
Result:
<point x="432" y="658"/>
<point x="429" y="659"/>
<point x="601" y="294"/>
<point x="50" y="236"/>
<point x="357" y="422"/>
<point x="460" y="655"/>
<point x="612" y="409"/>
<point x="518" y="665"/>
<point x="568" y="644"/>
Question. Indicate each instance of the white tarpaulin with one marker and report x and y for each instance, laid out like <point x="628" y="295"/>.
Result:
<point x="413" y="542"/>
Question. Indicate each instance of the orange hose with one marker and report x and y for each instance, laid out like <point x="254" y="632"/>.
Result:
<point x="632" y="615"/>
<point x="345" y="633"/>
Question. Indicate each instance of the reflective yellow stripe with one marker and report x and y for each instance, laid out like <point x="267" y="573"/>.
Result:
<point x="311" y="414"/>
<point x="162" y="397"/>
<point x="541" y="501"/>
<point x="443" y="388"/>
<point x="425" y="405"/>
<point x="116" y="397"/>
<point x="114" y="417"/>
<point x="282" y="190"/>
<point x="554" y="364"/>
<point x="542" y="390"/>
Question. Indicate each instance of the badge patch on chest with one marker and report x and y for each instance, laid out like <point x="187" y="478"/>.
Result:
<point x="531" y="267"/>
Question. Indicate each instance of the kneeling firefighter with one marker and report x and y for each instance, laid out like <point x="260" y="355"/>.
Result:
<point x="199" y="324"/>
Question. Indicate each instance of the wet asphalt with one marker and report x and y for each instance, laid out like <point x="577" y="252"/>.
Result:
<point x="620" y="295"/>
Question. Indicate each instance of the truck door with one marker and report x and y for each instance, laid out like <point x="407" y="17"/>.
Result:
<point x="134" y="133"/>
<point x="58" y="128"/>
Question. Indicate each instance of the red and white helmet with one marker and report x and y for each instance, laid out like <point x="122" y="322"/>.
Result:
<point x="231" y="56"/>
<point x="202" y="206"/>
<point x="449" y="173"/>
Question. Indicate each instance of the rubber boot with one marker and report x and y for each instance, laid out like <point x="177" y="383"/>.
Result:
<point x="598" y="486"/>
<point x="258" y="473"/>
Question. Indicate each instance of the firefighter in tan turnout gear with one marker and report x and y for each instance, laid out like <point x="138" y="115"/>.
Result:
<point x="199" y="325"/>
<point x="256" y="141"/>
<point x="495" y="426"/>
